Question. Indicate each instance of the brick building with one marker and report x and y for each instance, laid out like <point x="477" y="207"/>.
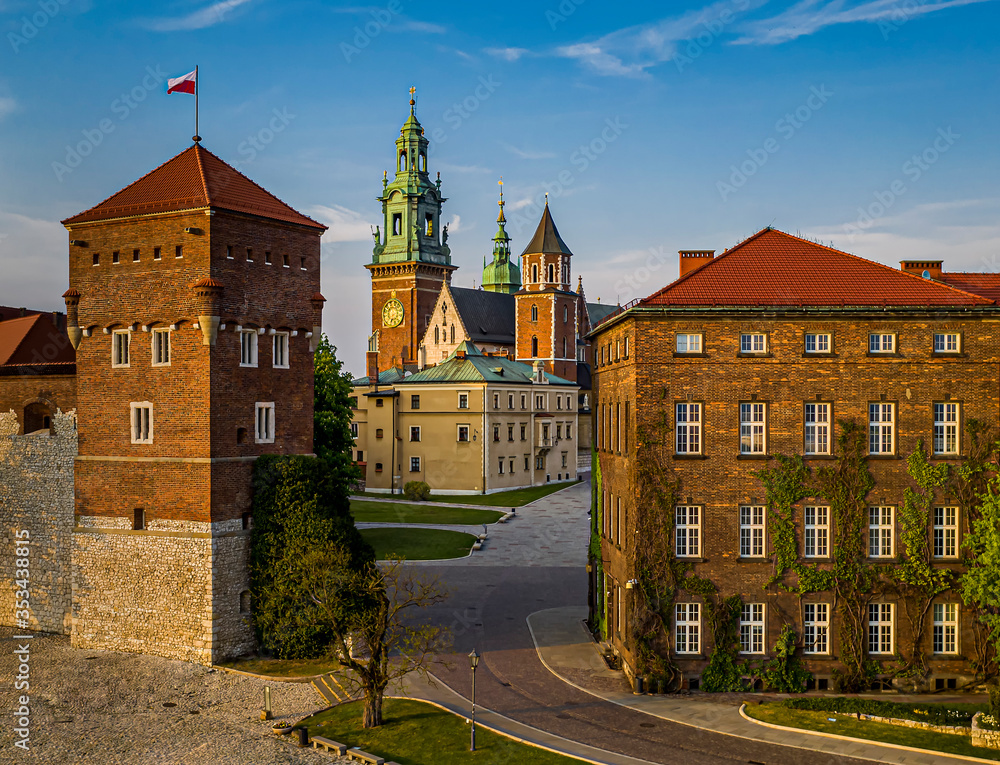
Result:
<point x="761" y="352"/>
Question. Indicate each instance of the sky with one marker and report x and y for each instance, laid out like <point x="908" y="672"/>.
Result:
<point x="868" y="125"/>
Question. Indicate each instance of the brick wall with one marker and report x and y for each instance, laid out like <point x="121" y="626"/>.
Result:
<point x="52" y="392"/>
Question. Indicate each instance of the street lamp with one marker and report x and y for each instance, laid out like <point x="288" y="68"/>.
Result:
<point x="474" y="661"/>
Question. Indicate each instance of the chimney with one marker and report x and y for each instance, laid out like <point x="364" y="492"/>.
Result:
<point x="918" y="267"/>
<point x="691" y="259"/>
<point x="371" y="362"/>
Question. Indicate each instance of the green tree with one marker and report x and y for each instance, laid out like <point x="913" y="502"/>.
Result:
<point x="332" y="439"/>
<point x="980" y="585"/>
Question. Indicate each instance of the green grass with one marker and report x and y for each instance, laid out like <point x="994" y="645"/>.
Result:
<point x="848" y="725"/>
<point x="401" y="512"/>
<point x="414" y="733"/>
<point x="514" y="498"/>
<point x="418" y="544"/>
<point x="283" y="667"/>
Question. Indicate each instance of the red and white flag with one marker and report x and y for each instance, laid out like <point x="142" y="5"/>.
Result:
<point x="185" y="84"/>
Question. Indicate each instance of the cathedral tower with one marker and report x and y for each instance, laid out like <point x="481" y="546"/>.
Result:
<point x="501" y="274"/>
<point x="411" y="259"/>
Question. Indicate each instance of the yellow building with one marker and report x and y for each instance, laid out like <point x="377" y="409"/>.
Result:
<point x="473" y="424"/>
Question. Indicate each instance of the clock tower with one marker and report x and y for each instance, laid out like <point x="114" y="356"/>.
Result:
<point x="411" y="260"/>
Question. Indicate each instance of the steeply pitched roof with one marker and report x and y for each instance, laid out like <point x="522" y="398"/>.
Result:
<point x="475" y="368"/>
<point x="773" y="268"/>
<point x="192" y="180"/>
<point x="987" y="285"/>
<point x="599" y="311"/>
<point x="34" y="341"/>
<point x="488" y="316"/>
<point x="546" y="238"/>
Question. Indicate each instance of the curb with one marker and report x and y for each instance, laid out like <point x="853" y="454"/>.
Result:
<point x="898" y="747"/>
<point x="275" y="678"/>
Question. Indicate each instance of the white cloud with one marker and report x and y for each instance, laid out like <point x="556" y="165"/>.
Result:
<point x="34" y="257"/>
<point x="7" y="106"/>
<point x="209" y="16"/>
<point x="527" y="153"/>
<point x="345" y="224"/>
<point x="810" y="16"/>
<point x="508" y="54"/>
<point x="420" y="26"/>
<point x="455" y="224"/>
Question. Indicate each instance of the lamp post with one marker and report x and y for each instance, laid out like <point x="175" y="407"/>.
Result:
<point x="474" y="661"/>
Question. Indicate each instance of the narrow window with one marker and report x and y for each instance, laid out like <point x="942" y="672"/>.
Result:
<point x="510" y="432"/>
<point x="752" y="628"/>
<point x="948" y="342"/>
<point x="688" y="428"/>
<point x="437" y="335"/>
<point x="687" y="531"/>
<point x="267" y="257"/>
<point x="816" y="623"/>
<point x="534" y="273"/>
<point x="302" y="264"/>
<point x="534" y="313"/>
<point x="284" y="260"/>
<point x="142" y="423"/>
<point x="565" y="314"/>
<point x="463" y="400"/>
<point x="946" y="428"/>
<point x="945" y="532"/>
<point x="397" y="224"/>
<point x="157" y="253"/>
<point x="115" y="257"/>
<point x="569" y="431"/>
<point x="496" y="400"/>
<point x="179" y="251"/>
<point x="414" y="464"/>
<point x="752" y="423"/>
<point x="754" y="342"/>
<point x="687" y="628"/>
<point x="414" y="432"/>
<point x="881" y="428"/>
<point x="354" y="429"/>
<point x="496" y="432"/>
<point x="265" y="423"/>
<point x="817" y="531"/>
<point x="625" y="354"/>
<point x="946" y="628"/>
<point x="135" y="256"/>
<point x="280" y="350"/>
<point x="378" y="433"/>
<point x="97" y="258"/>
<point x="534" y="347"/>
<point x="751" y="531"/>
<point x="551" y="273"/>
<point x="378" y="467"/>
<point x="510" y="400"/>
<point x="245" y="602"/>
<point x="120" y="340"/>
<point x="161" y="347"/>
<point x="429" y="225"/>
<point x="817" y="429"/>
<point x="524" y="432"/>
<point x="248" y="348"/>
<point x="452" y="333"/>
<point x="229" y="252"/>
<point x="414" y="402"/>
<point x="880" y="532"/>
<point x="138" y="519"/>
<point x="817" y="343"/>
<point x="881" y="343"/>
<point x="880" y="628"/>
<point x="245" y="521"/>
<point x="511" y="465"/>
<point x="524" y="401"/>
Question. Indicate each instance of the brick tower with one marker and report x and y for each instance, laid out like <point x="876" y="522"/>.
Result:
<point x="411" y="259"/>
<point x="547" y="309"/>
<point x="194" y="307"/>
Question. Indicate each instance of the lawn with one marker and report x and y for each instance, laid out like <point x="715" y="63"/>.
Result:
<point x="508" y="499"/>
<point x="402" y="512"/>
<point x="848" y="725"/>
<point x="418" y="544"/>
<point x="414" y="733"/>
<point x="283" y="667"/>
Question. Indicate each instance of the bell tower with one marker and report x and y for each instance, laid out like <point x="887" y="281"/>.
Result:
<point x="501" y="274"/>
<point x="411" y="260"/>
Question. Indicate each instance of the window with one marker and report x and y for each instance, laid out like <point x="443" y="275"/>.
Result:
<point x="378" y="467"/>
<point x="428" y="225"/>
<point x="97" y="258"/>
<point x="229" y="252"/>
<point x="946" y="428"/>
<point x="161" y="347"/>
<point x="569" y="402"/>
<point x="265" y="423"/>
<point x="414" y="432"/>
<point x="551" y="273"/>
<point x="534" y="313"/>
<point x="817" y="531"/>
<point x="687" y="628"/>
<point x="119" y="347"/>
<point x="524" y="430"/>
<point x="452" y="333"/>
<point x="463" y="433"/>
<point x="945" y="532"/>
<point x="948" y="342"/>
<point x="752" y="531"/>
<point x="558" y="402"/>
<point x="397" y="224"/>
<point x="881" y="343"/>
<point x="558" y="431"/>
<point x="378" y="432"/>
<point x="302" y="264"/>
<point x="752" y="421"/>
<point x="625" y="355"/>
<point x="945" y="628"/>
<point x="526" y="463"/>
<point x="539" y="463"/>
<point x="249" y="254"/>
<point x="437" y="335"/>
<point x="354" y="429"/>
<point x="569" y="431"/>
<point x="817" y="343"/>
<point x="510" y="400"/>
<point x="463" y="400"/>
<point x="280" y="350"/>
<point x="880" y="532"/>
<point x="248" y="348"/>
<point x="496" y="432"/>
<point x="496" y="400"/>
<point x="816" y="621"/>
<point x="880" y="628"/>
<point x="564" y="460"/>
<point x="539" y="403"/>
<point x="500" y="462"/>
<point x="752" y="628"/>
<point x="179" y="251"/>
<point x="687" y="531"/>
<point x="414" y="464"/>
<point x="245" y="602"/>
<point x="115" y="257"/>
<point x="881" y="428"/>
<point x="534" y="347"/>
<point x="817" y="429"/>
<point x="414" y="402"/>
<point x="510" y="432"/>
<point x="511" y="465"/>
<point x="755" y="342"/>
<point x="157" y="253"/>
<point x="524" y="401"/>
<point x="138" y="519"/>
<point x="688" y="343"/>
<point x="142" y="423"/>
<point x="688" y="428"/>
<point x="534" y="273"/>
<point x="284" y="264"/>
<point x="135" y="256"/>
<point x="565" y="314"/>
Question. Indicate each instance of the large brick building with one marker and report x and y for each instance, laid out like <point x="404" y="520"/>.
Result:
<point x="762" y="352"/>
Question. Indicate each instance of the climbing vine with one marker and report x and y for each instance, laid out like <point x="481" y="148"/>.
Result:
<point x="598" y="617"/>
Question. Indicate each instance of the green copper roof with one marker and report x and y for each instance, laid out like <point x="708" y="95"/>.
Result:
<point x="476" y="367"/>
<point x="501" y="274"/>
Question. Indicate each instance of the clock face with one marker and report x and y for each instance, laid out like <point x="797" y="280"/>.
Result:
<point x="392" y="313"/>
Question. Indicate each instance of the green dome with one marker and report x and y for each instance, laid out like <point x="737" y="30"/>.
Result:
<point x="502" y="274"/>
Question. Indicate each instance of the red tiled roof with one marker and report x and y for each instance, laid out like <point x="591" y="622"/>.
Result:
<point x="34" y="340"/>
<point x="987" y="285"/>
<point x="193" y="179"/>
<point x="773" y="268"/>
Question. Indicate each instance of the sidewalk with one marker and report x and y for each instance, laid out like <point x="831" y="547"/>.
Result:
<point x="568" y="651"/>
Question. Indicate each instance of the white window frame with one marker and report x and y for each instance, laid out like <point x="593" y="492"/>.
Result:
<point x="816" y="531"/>
<point x="881" y="428"/>
<point x="753" y="427"/>
<point x="279" y="350"/>
<point x="945" y="538"/>
<point x="753" y="342"/>
<point x="947" y="342"/>
<point x="689" y="342"/>
<point x="688" y="427"/>
<point x="945" y="635"/>
<point x="463" y="400"/>
<point x="121" y="340"/>
<point x="752" y="628"/>
<point x="141" y="422"/>
<point x="160" y="347"/>
<point x="752" y="531"/>
<point x="947" y="415"/>
<point x="881" y="342"/>
<point x="816" y="425"/>
<point x="881" y="628"/>
<point x="881" y="531"/>
<point x="687" y="628"/>
<point x="414" y="464"/>
<point x="248" y="348"/>
<point x="354" y="429"/>
<point x="264" y="425"/>
<point x="468" y="434"/>
<point x="816" y="628"/>
<point x="821" y="342"/>
<point x="687" y="531"/>
<point x="412" y="429"/>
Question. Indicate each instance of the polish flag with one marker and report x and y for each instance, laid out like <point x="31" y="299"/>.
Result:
<point x="185" y="84"/>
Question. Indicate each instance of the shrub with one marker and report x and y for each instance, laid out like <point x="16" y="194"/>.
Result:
<point x="418" y="491"/>
<point x="937" y="714"/>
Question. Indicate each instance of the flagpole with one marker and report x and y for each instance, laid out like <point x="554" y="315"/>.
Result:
<point x="197" y="137"/>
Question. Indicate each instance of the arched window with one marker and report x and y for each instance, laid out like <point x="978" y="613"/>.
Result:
<point x="37" y="417"/>
<point x="534" y="273"/>
<point x="552" y="273"/>
<point x="437" y="335"/>
<point x="564" y="348"/>
<point x="402" y="161"/>
<point x="423" y="162"/>
<point x="453" y="333"/>
<point x="565" y="313"/>
<point x="534" y="347"/>
<point x="534" y="313"/>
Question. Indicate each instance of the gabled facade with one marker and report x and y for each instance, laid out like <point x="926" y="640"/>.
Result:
<point x="477" y="316"/>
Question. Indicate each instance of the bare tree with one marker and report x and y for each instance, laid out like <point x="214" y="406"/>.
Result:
<point x="372" y="614"/>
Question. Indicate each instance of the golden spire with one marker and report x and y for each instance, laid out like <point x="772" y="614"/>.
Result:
<point x="500" y="217"/>
<point x="413" y="98"/>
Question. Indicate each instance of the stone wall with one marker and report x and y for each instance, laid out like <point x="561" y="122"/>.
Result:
<point x="984" y="737"/>
<point x="36" y="494"/>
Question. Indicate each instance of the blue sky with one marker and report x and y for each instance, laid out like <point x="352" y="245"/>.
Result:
<point x="866" y="124"/>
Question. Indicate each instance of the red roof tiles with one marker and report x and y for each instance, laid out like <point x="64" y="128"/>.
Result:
<point x="34" y="340"/>
<point x="773" y="268"/>
<point x="987" y="285"/>
<point x="193" y="179"/>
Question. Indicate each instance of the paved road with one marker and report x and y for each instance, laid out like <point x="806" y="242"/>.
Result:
<point x="489" y="604"/>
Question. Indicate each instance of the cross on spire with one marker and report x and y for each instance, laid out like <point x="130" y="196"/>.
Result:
<point x="413" y="98"/>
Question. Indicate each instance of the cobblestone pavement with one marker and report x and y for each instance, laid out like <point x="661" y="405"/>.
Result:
<point x="110" y="708"/>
